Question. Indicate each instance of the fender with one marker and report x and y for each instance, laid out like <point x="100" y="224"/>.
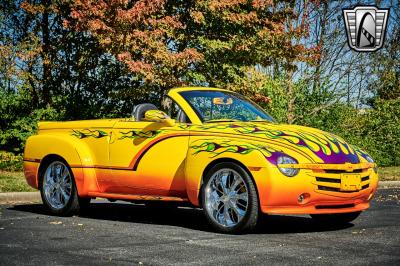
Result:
<point x="204" y="151"/>
<point x="72" y="150"/>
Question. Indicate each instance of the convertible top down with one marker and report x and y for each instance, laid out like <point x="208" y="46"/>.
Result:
<point x="210" y="148"/>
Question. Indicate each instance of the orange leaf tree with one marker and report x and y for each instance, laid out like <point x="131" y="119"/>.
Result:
<point x="142" y="34"/>
<point x="203" y="42"/>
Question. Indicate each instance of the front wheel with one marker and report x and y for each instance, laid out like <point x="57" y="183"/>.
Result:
<point x="336" y="218"/>
<point x="229" y="199"/>
<point x="58" y="190"/>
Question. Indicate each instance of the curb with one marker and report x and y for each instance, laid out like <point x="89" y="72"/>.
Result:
<point x="389" y="184"/>
<point x="10" y="197"/>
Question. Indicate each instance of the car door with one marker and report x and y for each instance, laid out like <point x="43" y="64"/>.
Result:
<point x="147" y="158"/>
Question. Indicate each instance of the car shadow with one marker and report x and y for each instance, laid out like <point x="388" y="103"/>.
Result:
<point x="191" y="218"/>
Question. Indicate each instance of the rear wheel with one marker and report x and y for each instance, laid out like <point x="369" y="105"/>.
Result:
<point x="58" y="190"/>
<point x="229" y="199"/>
<point x="336" y="218"/>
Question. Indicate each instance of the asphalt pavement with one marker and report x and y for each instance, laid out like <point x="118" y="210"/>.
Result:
<point x="128" y="234"/>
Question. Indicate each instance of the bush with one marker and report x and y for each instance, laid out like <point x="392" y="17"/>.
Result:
<point x="375" y="130"/>
<point x="19" y="119"/>
<point x="10" y="162"/>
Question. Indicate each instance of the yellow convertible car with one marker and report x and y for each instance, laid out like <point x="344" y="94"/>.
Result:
<point x="211" y="148"/>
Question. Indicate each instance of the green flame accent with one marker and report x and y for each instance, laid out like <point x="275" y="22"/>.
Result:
<point x="216" y="148"/>
<point x="315" y="142"/>
<point x="135" y="134"/>
<point x="88" y="133"/>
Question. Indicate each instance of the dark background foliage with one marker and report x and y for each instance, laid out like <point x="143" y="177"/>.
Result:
<point x="68" y="60"/>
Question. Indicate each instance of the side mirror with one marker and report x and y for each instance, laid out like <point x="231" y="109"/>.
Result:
<point x="159" y="117"/>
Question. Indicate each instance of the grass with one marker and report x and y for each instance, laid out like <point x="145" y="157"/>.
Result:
<point x="15" y="181"/>
<point x="389" y="173"/>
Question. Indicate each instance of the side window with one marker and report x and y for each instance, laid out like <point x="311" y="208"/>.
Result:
<point x="173" y="110"/>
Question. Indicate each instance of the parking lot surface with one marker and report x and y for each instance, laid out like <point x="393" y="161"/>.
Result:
<point x="128" y="234"/>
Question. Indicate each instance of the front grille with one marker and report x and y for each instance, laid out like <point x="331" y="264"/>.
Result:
<point x="331" y="180"/>
<point x="365" y="186"/>
<point x="328" y="188"/>
<point x="342" y="171"/>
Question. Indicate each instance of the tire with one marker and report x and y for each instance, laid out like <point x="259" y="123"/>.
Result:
<point x="229" y="199"/>
<point x="58" y="189"/>
<point x="336" y="218"/>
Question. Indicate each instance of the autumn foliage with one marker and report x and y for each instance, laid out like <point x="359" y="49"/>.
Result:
<point x="87" y="59"/>
<point x="169" y="43"/>
<point x="143" y="35"/>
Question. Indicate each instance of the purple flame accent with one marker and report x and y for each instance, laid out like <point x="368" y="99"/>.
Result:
<point x="274" y="157"/>
<point x="241" y="149"/>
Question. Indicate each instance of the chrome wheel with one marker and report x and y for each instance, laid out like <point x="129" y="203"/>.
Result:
<point x="226" y="197"/>
<point x="57" y="185"/>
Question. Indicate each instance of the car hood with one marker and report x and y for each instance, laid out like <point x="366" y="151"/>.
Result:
<point x="316" y="145"/>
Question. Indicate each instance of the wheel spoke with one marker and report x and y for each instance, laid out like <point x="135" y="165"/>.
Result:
<point x="50" y="181"/>
<point x="216" y="187"/>
<point x="220" y="208"/>
<point x="65" y="174"/>
<point x="56" y="197"/>
<point x="215" y="200"/>
<point x="242" y="196"/>
<point x="48" y="186"/>
<point x="64" y="195"/>
<point x="218" y="213"/>
<point x="65" y="181"/>
<point x="224" y="183"/>
<point x="53" y="192"/>
<point x="239" y="212"/>
<point x="227" y="216"/>
<point x="53" y="171"/>
<point x="60" y="171"/>
<point x="236" y="182"/>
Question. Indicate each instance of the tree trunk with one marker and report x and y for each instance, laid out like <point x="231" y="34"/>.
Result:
<point x="46" y="79"/>
<point x="320" y="43"/>
<point x="291" y="97"/>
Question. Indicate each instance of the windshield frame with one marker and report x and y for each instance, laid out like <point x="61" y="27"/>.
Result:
<point x="235" y="94"/>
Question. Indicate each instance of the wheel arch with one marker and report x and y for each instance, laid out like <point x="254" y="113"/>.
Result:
<point x="46" y="147"/>
<point x="201" y="158"/>
<point x="223" y="160"/>
<point x="46" y="161"/>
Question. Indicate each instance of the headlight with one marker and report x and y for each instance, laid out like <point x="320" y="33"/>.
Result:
<point x="370" y="160"/>
<point x="287" y="160"/>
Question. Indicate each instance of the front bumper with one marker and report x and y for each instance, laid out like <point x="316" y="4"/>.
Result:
<point x="321" y="191"/>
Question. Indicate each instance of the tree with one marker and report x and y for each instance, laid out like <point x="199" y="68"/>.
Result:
<point x="170" y="43"/>
<point x="141" y="34"/>
<point x="49" y="72"/>
<point x="386" y="63"/>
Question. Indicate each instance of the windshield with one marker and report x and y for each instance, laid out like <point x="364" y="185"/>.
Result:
<point x="217" y="106"/>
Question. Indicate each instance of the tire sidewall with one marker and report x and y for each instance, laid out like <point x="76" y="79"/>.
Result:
<point x="251" y="216"/>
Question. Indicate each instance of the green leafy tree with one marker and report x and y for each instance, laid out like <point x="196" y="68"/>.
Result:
<point x="215" y="43"/>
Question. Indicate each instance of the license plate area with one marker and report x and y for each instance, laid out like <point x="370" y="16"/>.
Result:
<point x="350" y="182"/>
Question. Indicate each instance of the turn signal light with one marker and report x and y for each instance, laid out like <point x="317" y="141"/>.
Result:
<point x="303" y="198"/>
